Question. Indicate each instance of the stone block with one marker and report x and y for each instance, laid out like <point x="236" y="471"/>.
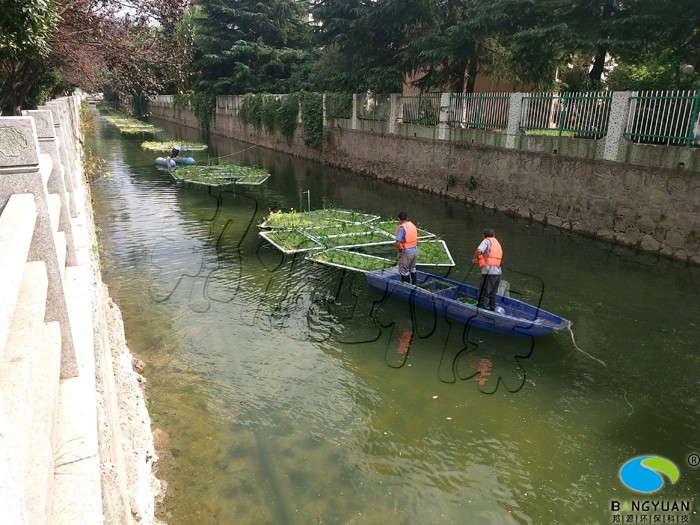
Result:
<point x="19" y="146"/>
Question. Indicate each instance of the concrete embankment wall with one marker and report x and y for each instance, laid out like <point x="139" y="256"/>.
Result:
<point x="554" y="180"/>
<point x="75" y="438"/>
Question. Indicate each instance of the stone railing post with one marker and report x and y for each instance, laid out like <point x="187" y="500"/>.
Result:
<point x="393" y="112"/>
<point x="355" y="104"/>
<point x="620" y="109"/>
<point x="65" y="150"/>
<point x="444" y="115"/>
<point x="325" y="117"/>
<point x="20" y="173"/>
<point x="514" y="117"/>
<point x="43" y="120"/>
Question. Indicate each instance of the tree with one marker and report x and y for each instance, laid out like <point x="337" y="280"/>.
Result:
<point x="129" y="47"/>
<point x="25" y="31"/>
<point x="247" y="46"/>
<point x="370" y="39"/>
<point x="541" y="37"/>
<point x="458" y="45"/>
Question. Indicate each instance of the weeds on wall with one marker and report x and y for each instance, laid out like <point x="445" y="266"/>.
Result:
<point x="338" y="105"/>
<point x="270" y="113"/>
<point x="251" y="109"/>
<point x="312" y="118"/>
<point x="287" y="115"/>
<point x="202" y="104"/>
<point x="281" y="115"/>
<point x="94" y="166"/>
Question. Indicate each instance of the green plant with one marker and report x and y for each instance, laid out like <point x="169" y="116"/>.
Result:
<point x="251" y="109"/>
<point x="222" y="174"/>
<point x="270" y="113"/>
<point x="312" y="118"/>
<point x="472" y="183"/>
<point x="183" y="100"/>
<point x="338" y="105"/>
<point x="204" y="106"/>
<point x="451" y="181"/>
<point x="287" y="115"/>
<point x="94" y="167"/>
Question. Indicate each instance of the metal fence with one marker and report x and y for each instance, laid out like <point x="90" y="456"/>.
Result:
<point x="664" y="117"/>
<point x="583" y="115"/>
<point x="423" y="109"/>
<point x="655" y="117"/>
<point x="373" y="106"/>
<point x="479" y="110"/>
<point x="338" y="105"/>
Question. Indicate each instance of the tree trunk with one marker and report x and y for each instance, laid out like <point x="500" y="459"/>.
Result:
<point x="19" y="79"/>
<point x="601" y="51"/>
<point x="470" y="74"/>
<point x="598" y="68"/>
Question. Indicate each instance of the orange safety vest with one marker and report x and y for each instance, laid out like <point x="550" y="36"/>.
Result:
<point x="410" y="234"/>
<point x="495" y="254"/>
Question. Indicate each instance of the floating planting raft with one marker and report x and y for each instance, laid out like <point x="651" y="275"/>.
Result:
<point x="221" y="175"/>
<point x="168" y="145"/>
<point x="132" y="126"/>
<point x="347" y="239"/>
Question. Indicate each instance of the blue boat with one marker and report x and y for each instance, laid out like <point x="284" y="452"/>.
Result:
<point x="177" y="161"/>
<point x="457" y="301"/>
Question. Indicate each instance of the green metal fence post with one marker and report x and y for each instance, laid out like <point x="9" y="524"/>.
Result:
<point x="562" y="116"/>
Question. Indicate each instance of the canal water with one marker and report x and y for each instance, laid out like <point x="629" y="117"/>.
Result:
<point x="294" y="394"/>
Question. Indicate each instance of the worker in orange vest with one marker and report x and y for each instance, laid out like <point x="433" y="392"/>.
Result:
<point x="407" y="247"/>
<point x="489" y="255"/>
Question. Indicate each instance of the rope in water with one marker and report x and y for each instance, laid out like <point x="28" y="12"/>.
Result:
<point x="624" y="392"/>
<point x="232" y="154"/>
<point x="580" y="350"/>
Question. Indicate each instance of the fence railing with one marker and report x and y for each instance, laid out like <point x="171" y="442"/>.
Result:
<point x="374" y="106"/>
<point x="479" y="110"/>
<point x="423" y="109"/>
<point x="583" y="115"/>
<point x="338" y="105"/>
<point x="664" y="117"/>
<point x="653" y="117"/>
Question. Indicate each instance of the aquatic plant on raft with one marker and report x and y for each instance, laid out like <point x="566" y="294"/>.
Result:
<point x="168" y="145"/>
<point x="132" y="126"/>
<point x="221" y="174"/>
<point x="347" y="239"/>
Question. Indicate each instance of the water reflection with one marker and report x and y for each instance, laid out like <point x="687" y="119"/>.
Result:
<point x="295" y="394"/>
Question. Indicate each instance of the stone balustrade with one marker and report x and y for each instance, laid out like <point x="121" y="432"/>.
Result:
<point x="64" y="458"/>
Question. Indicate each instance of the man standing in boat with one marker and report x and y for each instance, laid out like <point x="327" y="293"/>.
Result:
<point x="407" y="246"/>
<point x="489" y="255"/>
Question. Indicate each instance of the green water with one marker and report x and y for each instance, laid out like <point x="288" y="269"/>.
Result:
<point x="293" y="394"/>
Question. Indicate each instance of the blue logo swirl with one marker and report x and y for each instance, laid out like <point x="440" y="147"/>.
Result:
<point x="643" y="474"/>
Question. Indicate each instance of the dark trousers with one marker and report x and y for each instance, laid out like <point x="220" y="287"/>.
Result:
<point x="487" y="291"/>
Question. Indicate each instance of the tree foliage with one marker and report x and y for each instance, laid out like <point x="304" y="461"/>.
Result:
<point x="247" y="46"/>
<point x="129" y="48"/>
<point x="368" y="41"/>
